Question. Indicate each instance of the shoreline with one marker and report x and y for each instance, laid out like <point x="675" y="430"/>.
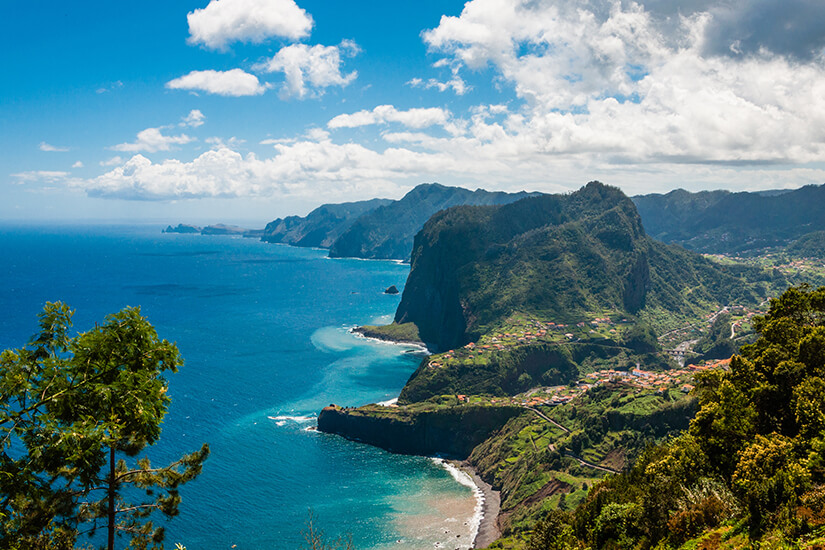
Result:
<point x="484" y="522"/>
<point x="417" y="345"/>
<point x="488" y="530"/>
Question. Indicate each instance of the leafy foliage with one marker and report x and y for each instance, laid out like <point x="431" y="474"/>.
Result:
<point x="68" y="407"/>
<point x="752" y="458"/>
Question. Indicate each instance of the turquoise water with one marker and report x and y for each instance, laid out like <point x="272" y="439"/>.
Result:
<point x="263" y="330"/>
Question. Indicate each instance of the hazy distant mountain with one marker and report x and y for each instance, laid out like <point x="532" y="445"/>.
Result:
<point x="721" y="221"/>
<point x="387" y="232"/>
<point x="320" y="227"/>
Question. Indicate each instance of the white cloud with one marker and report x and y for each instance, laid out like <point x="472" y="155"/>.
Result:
<point x="412" y="118"/>
<point x="52" y="148"/>
<point x="194" y="119"/>
<point x="309" y="69"/>
<point x="222" y="22"/>
<point x="110" y="87"/>
<point x="77" y="164"/>
<point x="608" y="83"/>
<point x="152" y="140"/>
<point x="219" y="143"/>
<point x="235" y="82"/>
<point x="114" y="161"/>
<point x="455" y="83"/>
<point x="48" y="176"/>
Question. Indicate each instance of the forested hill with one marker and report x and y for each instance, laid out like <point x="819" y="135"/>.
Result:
<point x="560" y="257"/>
<point x="321" y="226"/>
<point x="725" y="222"/>
<point x="387" y="232"/>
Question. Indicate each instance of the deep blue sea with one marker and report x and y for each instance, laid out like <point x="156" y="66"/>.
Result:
<point x="263" y="331"/>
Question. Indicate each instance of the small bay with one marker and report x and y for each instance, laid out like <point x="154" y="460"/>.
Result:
<point x="263" y="331"/>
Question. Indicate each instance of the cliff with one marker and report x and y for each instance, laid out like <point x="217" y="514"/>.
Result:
<point x="321" y="227"/>
<point x="387" y="232"/>
<point x="436" y="430"/>
<point x="557" y="257"/>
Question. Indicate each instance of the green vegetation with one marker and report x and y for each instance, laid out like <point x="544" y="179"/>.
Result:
<point x="320" y="227"/>
<point x="387" y="231"/>
<point x="742" y="223"/>
<point x="536" y="458"/>
<point x="394" y="332"/>
<point x="559" y="257"/>
<point x="750" y="471"/>
<point x="74" y="414"/>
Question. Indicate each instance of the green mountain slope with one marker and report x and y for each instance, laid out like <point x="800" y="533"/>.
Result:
<point x="320" y="227"/>
<point x="558" y="257"/>
<point x="725" y="222"/>
<point x="387" y="232"/>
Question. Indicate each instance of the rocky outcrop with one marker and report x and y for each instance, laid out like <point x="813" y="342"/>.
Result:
<point x="182" y="228"/>
<point x="391" y="290"/>
<point x="451" y="431"/>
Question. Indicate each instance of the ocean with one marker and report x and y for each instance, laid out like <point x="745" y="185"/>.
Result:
<point x="264" y="333"/>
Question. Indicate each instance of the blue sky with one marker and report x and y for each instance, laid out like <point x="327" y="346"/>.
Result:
<point x="246" y="110"/>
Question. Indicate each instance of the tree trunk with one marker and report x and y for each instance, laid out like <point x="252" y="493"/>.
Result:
<point x="111" y="498"/>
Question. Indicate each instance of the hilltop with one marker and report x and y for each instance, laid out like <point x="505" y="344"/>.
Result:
<point x="562" y="258"/>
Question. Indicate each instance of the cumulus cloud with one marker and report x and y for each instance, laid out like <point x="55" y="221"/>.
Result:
<point x="235" y="82"/>
<point x="620" y="84"/>
<point x="222" y="22"/>
<point x="305" y="169"/>
<point x="152" y="140"/>
<point x="77" y="164"/>
<point x="412" y="118"/>
<point x="194" y="119"/>
<point x="309" y="69"/>
<point x="52" y="148"/>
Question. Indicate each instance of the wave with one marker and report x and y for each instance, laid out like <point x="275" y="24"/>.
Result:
<point x="282" y="419"/>
<point x="464" y="479"/>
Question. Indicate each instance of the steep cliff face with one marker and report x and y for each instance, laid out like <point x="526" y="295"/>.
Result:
<point x="387" y="232"/>
<point x="447" y="431"/>
<point x="559" y="257"/>
<point x="320" y="227"/>
<point x="556" y="255"/>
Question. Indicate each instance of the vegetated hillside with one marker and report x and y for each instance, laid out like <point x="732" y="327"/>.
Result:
<point x="557" y="257"/>
<point x="750" y="470"/>
<point x="725" y="222"/>
<point x="387" y="232"/>
<point x="811" y="245"/>
<point x="320" y="227"/>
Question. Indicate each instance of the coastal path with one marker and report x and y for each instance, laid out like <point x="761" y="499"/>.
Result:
<point x="550" y="420"/>
<point x="589" y="464"/>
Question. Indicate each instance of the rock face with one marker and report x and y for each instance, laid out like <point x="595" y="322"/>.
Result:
<point x="182" y="228"/>
<point x="320" y="227"/>
<point x="452" y="431"/>
<point x="391" y="290"/>
<point x="721" y="221"/>
<point x="387" y="232"/>
<point x="557" y="256"/>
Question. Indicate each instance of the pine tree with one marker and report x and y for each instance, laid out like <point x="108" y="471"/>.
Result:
<point x="74" y="415"/>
